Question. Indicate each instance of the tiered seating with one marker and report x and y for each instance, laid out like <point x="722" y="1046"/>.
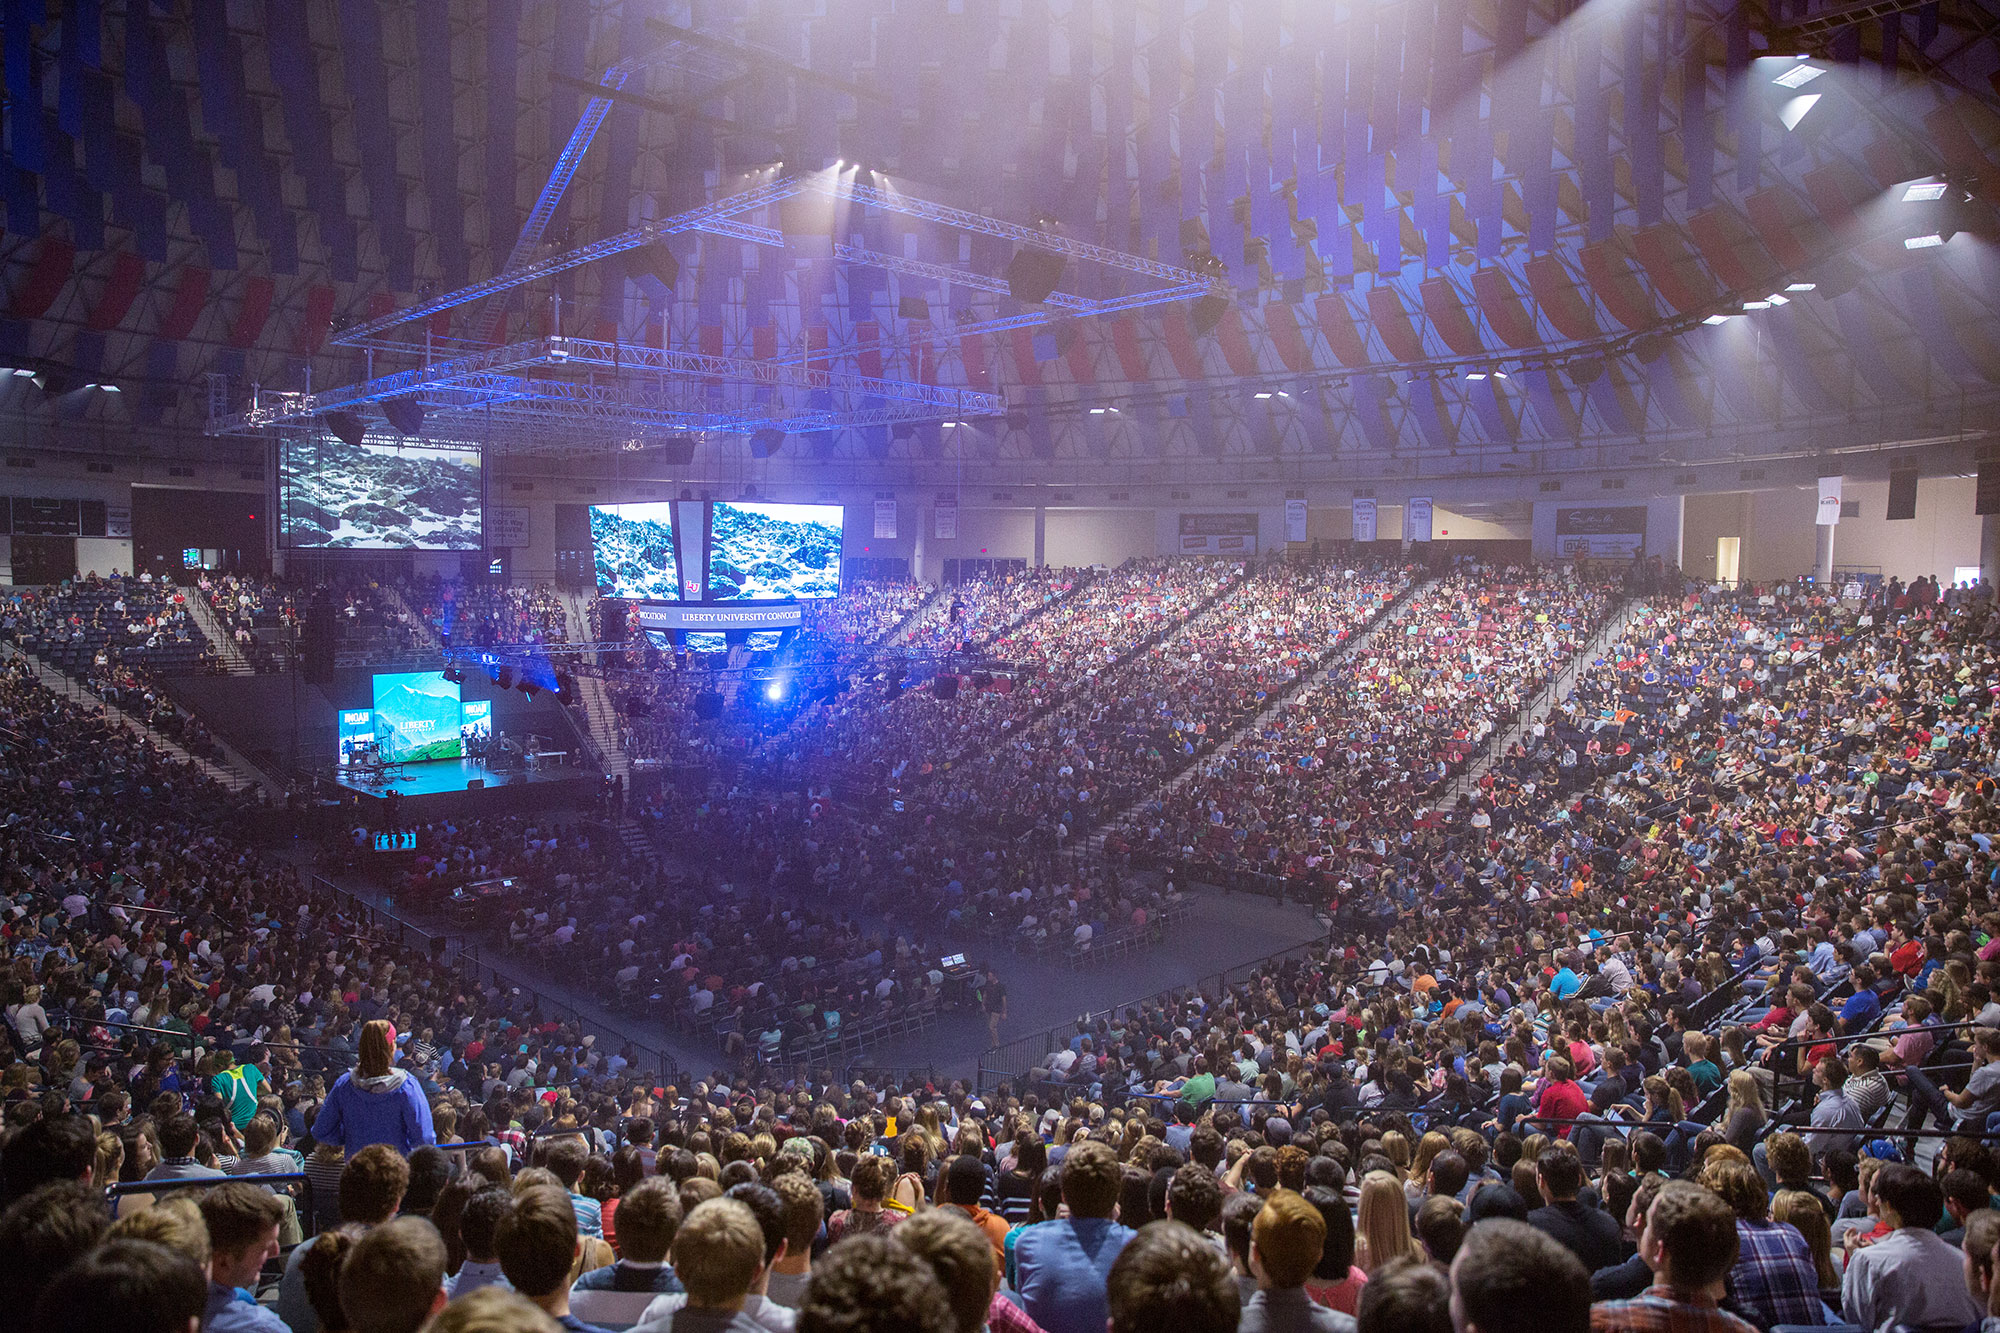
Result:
<point x="96" y="623"/>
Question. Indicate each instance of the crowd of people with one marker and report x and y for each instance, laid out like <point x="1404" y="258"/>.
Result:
<point x="866" y="613"/>
<point x="95" y="622"/>
<point x="481" y="614"/>
<point x="1362" y="755"/>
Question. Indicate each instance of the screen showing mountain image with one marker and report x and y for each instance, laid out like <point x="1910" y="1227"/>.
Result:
<point x="417" y="717"/>
<point x="770" y="552"/>
<point x="633" y="547"/>
<point x="379" y="497"/>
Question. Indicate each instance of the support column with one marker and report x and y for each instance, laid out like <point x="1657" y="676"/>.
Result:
<point x="923" y="518"/>
<point x="1823" y="552"/>
<point x="1989" y="549"/>
<point x="1041" y="534"/>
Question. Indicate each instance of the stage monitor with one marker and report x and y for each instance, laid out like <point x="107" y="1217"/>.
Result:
<point x="379" y="497"/>
<point x="417" y="717"/>
<point x="773" y="552"/>
<point x="633" y="549"/>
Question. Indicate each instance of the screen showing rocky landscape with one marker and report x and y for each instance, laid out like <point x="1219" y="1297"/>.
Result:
<point x="766" y="552"/>
<point x="379" y="497"/>
<point x="633" y="547"/>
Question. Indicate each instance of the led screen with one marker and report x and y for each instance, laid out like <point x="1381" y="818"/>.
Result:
<point x="765" y="552"/>
<point x="379" y="497"/>
<point x="417" y="717"/>
<point x="476" y="721"/>
<point x="357" y="735"/>
<point x="634" y="551"/>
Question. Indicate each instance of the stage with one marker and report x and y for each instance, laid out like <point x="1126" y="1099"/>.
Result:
<point x="461" y="786"/>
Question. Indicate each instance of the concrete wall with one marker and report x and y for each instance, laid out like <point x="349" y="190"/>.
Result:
<point x="1270" y="524"/>
<point x="105" y="555"/>
<point x="1664" y="522"/>
<point x="1099" y="536"/>
<point x="995" y="534"/>
<point x="1776" y="529"/>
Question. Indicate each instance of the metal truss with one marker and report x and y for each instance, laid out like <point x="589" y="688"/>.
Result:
<point x="651" y="389"/>
<point x="697" y="60"/>
<point x="695" y="219"/>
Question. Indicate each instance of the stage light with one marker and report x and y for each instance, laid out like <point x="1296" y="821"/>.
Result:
<point x="23" y="374"/>
<point x="1924" y="191"/>
<point x="1799" y="75"/>
<point x="1928" y="242"/>
<point x="1475" y="374"/>
<point x="1263" y="396"/>
<point x="775" y="691"/>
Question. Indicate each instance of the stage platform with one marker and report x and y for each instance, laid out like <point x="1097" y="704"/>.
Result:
<point x="459" y="786"/>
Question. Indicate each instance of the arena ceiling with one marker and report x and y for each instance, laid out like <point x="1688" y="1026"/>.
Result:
<point x="1440" y="229"/>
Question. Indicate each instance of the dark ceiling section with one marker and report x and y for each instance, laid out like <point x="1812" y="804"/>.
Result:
<point x="1446" y="226"/>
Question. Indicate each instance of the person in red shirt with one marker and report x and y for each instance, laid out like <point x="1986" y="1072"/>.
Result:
<point x="1560" y="1098"/>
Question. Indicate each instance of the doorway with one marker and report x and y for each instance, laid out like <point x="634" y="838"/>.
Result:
<point x="1728" y="555"/>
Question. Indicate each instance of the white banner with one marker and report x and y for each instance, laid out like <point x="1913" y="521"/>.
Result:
<point x="1417" y="519"/>
<point x="944" y="518"/>
<point x="1829" y="502"/>
<point x="1295" y="521"/>
<point x="1364" y="520"/>
<point x="507" y="525"/>
<point x="885" y="518"/>
<point x="118" y="520"/>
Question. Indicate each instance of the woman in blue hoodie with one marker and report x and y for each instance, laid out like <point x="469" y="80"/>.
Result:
<point x="376" y="1102"/>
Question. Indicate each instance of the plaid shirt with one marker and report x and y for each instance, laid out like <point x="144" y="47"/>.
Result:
<point x="1003" y="1316"/>
<point x="1663" y="1310"/>
<point x="1774" y="1274"/>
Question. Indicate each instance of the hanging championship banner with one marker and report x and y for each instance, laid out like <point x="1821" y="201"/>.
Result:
<point x="1295" y="520"/>
<point x="1417" y="519"/>
<point x="885" y="518"/>
<point x="1364" y="520"/>
<point x="944" y="518"/>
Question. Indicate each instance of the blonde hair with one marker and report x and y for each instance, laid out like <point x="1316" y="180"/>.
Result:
<point x="1384" y="1220"/>
<point x="174" y="1222"/>
<point x="1808" y="1218"/>
<point x="1396" y="1147"/>
<point x="1429" y="1146"/>
<point x="1744" y="1093"/>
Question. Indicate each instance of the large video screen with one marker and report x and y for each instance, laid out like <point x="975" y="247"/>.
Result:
<point x="417" y="717"/>
<point x="764" y="552"/>
<point x="634" y="551"/>
<point x="379" y="497"/>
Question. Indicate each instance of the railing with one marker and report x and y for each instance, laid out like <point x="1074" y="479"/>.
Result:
<point x="457" y="951"/>
<point x="303" y="1200"/>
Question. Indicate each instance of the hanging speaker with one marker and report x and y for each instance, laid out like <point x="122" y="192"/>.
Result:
<point x="913" y="307"/>
<point x="1587" y="371"/>
<point x="945" y="687"/>
<point x="405" y="415"/>
<point x="659" y="261"/>
<point x="1986" y="492"/>
<point x="345" y="426"/>
<point x="708" y="705"/>
<point x="767" y="443"/>
<point x="1903" y="493"/>
<point x="677" y="450"/>
<point x="1206" y="313"/>
<point x="1033" y="274"/>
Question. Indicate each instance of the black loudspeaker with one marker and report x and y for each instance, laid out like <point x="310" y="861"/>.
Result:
<point x="1903" y="493"/>
<point x="613" y="620"/>
<point x="476" y="784"/>
<point x="945" y="687"/>
<point x="346" y="426"/>
<point x="913" y="307"/>
<point x="1194" y="236"/>
<point x="659" y="261"/>
<point x="766" y="443"/>
<point x="1587" y="371"/>
<point x="1986" y="493"/>
<point x="708" y="705"/>
<point x="677" y="450"/>
<point x="1033" y="274"/>
<point x="406" y="415"/>
<point x="319" y="640"/>
<point x="1207" y="312"/>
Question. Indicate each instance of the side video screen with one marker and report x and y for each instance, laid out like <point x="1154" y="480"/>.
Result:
<point x="766" y="552"/>
<point x="379" y="497"/>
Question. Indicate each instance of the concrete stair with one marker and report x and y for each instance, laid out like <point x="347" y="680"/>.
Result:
<point x="235" y="772"/>
<point x="216" y="632"/>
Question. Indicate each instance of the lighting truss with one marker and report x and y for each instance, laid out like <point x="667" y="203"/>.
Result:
<point x="550" y="394"/>
<point x="694" y="59"/>
<point x="1059" y="304"/>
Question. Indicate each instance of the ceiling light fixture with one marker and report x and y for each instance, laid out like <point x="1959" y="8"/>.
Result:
<point x="1799" y="75"/>
<point x="1929" y="242"/>
<point x="1924" y="192"/>
<point x="1800" y="286"/>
